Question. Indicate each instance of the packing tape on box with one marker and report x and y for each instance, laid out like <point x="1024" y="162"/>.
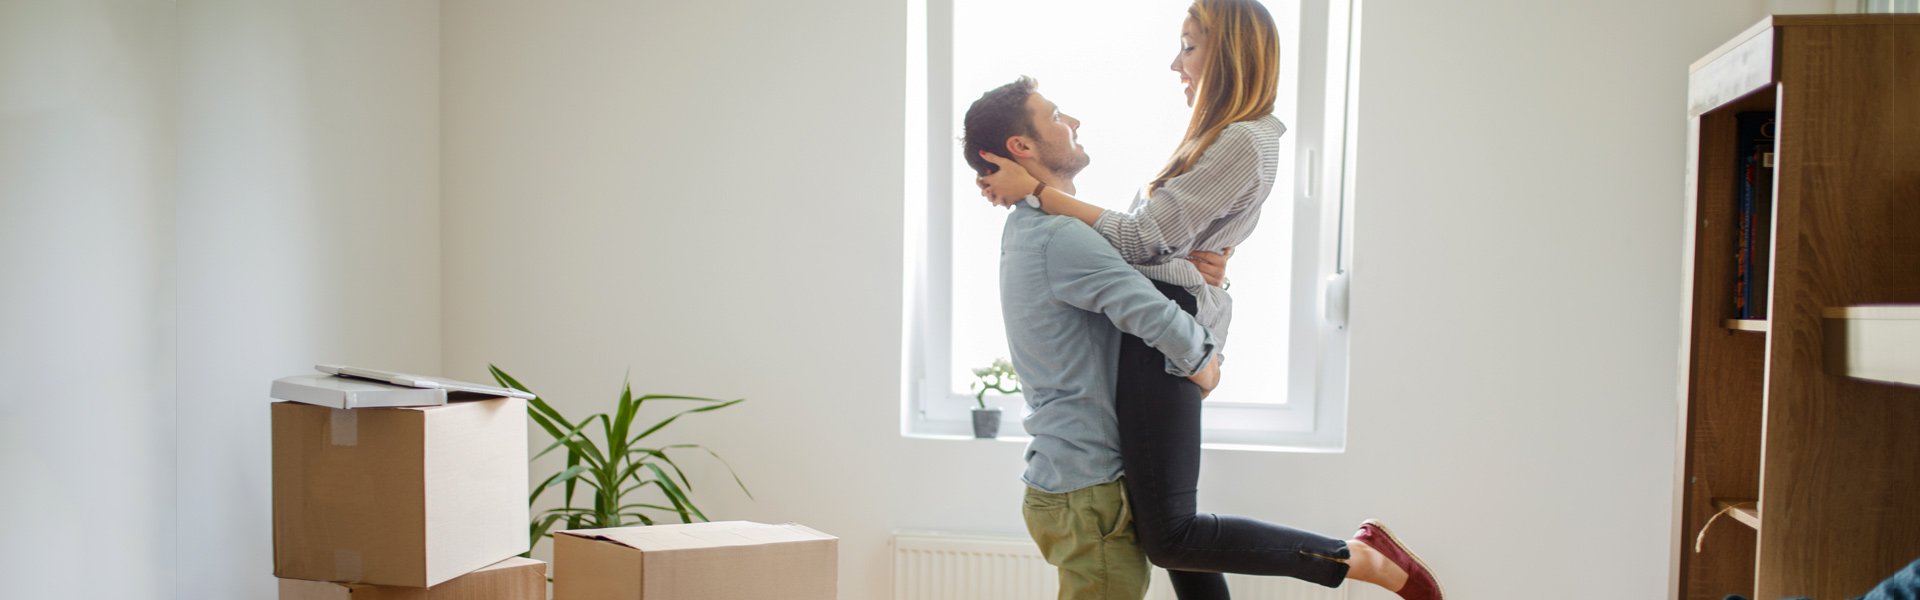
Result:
<point x="345" y="428"/>
<point x="346" y="565"/>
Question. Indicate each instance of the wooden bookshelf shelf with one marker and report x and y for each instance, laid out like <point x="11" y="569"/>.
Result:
<point x="1745" y="510"/>
<point x="1888" y="312"/>
<point x="1814" y="417"/>
<point x="1875" y="343"/>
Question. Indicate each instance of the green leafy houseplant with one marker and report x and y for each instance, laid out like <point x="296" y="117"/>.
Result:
<point x="618" y="466"/>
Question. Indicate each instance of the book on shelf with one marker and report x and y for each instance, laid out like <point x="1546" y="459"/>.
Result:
<point x="1760" y="263"/>
<point x="1752" y="212"/>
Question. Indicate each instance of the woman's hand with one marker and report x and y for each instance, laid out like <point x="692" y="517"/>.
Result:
<point x="1207" y="378"/>
<point x="1008" y="186"/>
<point x="1212" y="265"/>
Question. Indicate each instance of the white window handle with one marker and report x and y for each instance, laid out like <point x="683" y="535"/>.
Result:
<point x="1337" y="300"/>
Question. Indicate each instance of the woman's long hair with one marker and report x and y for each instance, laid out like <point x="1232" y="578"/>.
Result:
<point x="1241" y="79"/>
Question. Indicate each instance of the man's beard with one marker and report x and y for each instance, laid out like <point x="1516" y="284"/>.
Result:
<point x="1065" y="162"/>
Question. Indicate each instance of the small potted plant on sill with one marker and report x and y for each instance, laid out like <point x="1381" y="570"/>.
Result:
<point x="998" y="377"/>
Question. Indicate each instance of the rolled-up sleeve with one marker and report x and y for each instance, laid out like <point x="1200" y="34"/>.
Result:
<point x="1083" y="271"/>
<point x="1165" y="227"/>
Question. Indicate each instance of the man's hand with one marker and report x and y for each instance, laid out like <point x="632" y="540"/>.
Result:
<point x="1207" y="378"/>
<point x="1008" y="186"/>
<point x="1212" y="265"/>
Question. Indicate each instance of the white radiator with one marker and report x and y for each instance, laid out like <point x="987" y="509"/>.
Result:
<point x="931" y="566"/>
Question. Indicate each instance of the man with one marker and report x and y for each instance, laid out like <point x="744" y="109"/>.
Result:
<point x="1067" y="296"/>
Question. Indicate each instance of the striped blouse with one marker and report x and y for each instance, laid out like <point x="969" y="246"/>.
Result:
<point x="1211" y="207"/>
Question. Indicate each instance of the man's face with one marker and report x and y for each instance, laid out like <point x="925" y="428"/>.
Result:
<point x="1056" y="137"/>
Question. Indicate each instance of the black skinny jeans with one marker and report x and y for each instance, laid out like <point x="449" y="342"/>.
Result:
<point x="1160" y="448"/>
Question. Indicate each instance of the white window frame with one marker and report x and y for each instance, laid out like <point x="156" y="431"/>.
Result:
<point x="1314" y="417"/>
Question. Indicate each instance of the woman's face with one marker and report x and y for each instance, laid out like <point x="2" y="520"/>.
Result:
<point x="1190" y="61"/>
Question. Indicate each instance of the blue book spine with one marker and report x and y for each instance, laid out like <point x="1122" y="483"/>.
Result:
<point x="1749" y="299"/>
<point x="1759" y="287"/>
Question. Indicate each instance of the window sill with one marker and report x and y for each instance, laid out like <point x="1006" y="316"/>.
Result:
<point x="1230" y="441"/>
<point x="943" y="437"/>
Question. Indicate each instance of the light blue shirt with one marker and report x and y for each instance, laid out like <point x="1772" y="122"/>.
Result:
<point x="1067" y="296"/>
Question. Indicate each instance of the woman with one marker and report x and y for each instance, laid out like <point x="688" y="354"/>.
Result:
<point x="1206" y="199"/>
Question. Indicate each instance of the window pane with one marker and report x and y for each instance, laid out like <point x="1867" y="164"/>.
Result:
<point x="1108" y="64"/>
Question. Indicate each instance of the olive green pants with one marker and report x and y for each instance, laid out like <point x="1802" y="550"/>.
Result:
<point x="1088" y="534"/>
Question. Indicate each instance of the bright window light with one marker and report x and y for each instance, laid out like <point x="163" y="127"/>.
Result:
<point x="1107" y="64"/>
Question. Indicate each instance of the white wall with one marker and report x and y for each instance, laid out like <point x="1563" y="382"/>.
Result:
<point x="86" y="299"/>
<point x="309" y="207"/>
<point x="706" y="195"/>
<point x="1517" y="255"/>
<point x="195" y="198"/>
<point x="641" y="185"/>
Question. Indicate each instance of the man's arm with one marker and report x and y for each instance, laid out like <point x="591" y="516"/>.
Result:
<point x="1086" y="272"/>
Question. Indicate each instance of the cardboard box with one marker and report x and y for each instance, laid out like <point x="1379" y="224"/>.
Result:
<point x="398" y="496"/>
<point x="731" y="560"/>
<point x="511" y="579"/>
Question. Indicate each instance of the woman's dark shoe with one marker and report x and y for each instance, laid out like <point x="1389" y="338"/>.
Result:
<point x="1421" y="584"/>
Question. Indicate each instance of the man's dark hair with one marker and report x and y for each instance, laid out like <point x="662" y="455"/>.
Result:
<point x="999" y="114"/>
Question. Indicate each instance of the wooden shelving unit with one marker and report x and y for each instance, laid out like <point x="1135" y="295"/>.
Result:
<point x="1834" y="459"/>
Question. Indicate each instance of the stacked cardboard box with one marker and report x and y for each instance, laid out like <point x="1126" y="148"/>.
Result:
<point x="511" y="579"/>
<point x="421" y="503"/>
<point x="733" y="560"/>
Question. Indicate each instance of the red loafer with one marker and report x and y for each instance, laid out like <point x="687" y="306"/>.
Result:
<point x="1421" y="584"/>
